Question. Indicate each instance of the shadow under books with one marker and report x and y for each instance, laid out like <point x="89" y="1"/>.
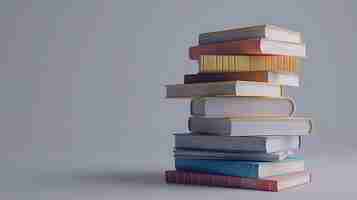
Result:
<point x="119" y="177"/>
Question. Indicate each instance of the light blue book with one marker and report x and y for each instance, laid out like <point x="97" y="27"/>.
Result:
<point x="252" y="169"/>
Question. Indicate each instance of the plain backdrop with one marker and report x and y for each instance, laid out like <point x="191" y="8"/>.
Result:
<point x="82" y="83"/>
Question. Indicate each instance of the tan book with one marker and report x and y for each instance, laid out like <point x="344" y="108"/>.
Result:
<point x="245" y="63"/>
<point x="227" y="88"/>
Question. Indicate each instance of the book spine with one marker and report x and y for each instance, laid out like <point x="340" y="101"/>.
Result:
<point x="249" y="47"/>
<point x="189" y="178"/>
<point x="218" y="167"/>
<point x="247" y="63"/>
<point x="234" y="76"/>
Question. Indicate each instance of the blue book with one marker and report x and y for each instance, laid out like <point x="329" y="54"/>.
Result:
<point x="252" y="169"/>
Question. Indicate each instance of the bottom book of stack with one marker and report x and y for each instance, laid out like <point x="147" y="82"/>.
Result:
<point x="272" y="183"/>
<point x="266" y="163"/>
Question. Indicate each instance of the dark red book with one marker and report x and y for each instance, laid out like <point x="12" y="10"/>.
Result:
<point x="273" y="183"/>
<point x="290" y="79"/>
<point x="249" y="47"/>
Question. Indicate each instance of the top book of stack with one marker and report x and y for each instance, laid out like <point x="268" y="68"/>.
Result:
<point x="254" y="40"/>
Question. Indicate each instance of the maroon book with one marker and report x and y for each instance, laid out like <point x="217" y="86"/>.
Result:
<point x="258" y="76"/>
<point x="273" y="183"/>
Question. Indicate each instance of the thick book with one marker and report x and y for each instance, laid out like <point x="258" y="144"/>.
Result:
<point x="272" y="184"/>
<point x="226" y="88"/>
<point x="198" y="154"/>
<point x="244" y="63"/>
<point x="286" y="79"/>
<point x="250" y="126"/>
<point x="249" y="47"/>
<point x="237" y="144"/>
<point x="251" y="169"/>
<point x="242" y="106"/>
<point x="267" y="31"/>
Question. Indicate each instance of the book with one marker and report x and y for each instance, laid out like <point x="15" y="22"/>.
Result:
<point x="250" y="126"/>
<point x="244" y="63"/>
<point x="242" y="106"/>
<point x="249" y="47"/>
<point x="286" y="79"/>
<point x="198" y="154"/>
<point x="237" y="144"/>
<point x="273" y="183"/>
<point x="227" y="88"/>
<point x="267" y="31"/>
<point x="251" y="169"/>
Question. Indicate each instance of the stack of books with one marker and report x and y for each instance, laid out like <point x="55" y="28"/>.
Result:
<point x="243" y="132"/>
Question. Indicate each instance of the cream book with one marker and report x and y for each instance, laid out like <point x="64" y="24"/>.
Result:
<point x="228" y="88"/>
<point x="250" y="126"/>
<point x="267" y="31"/>
<point x="242" y="106"/>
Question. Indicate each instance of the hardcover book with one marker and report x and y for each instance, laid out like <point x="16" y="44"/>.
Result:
<point x="273" y="183"/>
<point x="249" y="47"/>
<point x="198" y="154"/>
<point x="250" y="126"/>
<point x="242" y="106"/>
<point x="267" y="31"/>
<point x="237" y="144"/>
<point x="287" y="79"/>
<point x="242" y="63"/>
<point x="251" y="169"/>
<point x="227" y="88"/>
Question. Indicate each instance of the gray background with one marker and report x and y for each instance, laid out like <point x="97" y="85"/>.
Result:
<point x="82" y="113"/>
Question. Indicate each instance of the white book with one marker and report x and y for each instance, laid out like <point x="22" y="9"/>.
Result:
<point x="242" y="106"/>
<point x="227" y="88"/>
<point x="282" y="48"/>
<point x="266" y="144"/>
<point x="199" y="154"/>
<point x="250" y="126"/>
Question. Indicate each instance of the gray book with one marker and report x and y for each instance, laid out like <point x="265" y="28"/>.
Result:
<point x="231" y="88"/>
<point x="265" y="144"/>
<point x="267" y="31"/>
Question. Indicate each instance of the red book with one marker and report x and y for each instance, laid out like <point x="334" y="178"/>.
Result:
<point x="273" y="183"/>
<point x="249" y="47"/>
